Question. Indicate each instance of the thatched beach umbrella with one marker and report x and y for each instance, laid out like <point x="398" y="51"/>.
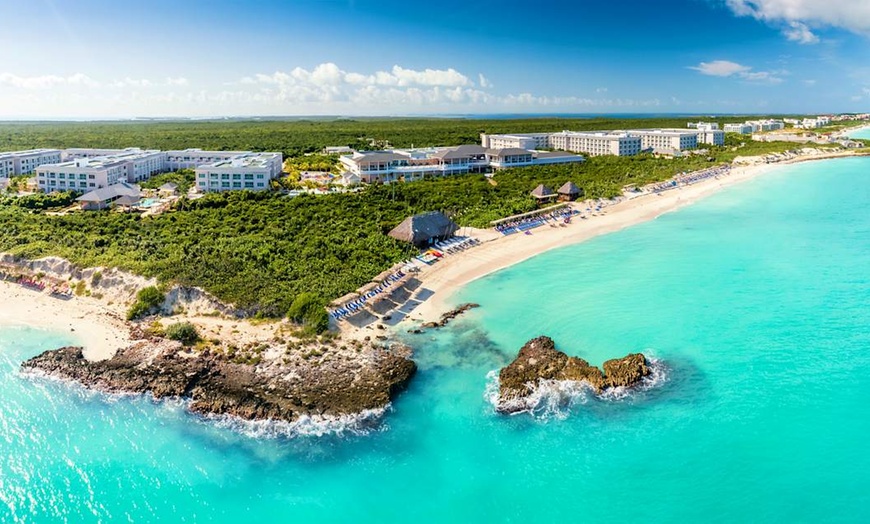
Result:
<point x="421" y="230"/>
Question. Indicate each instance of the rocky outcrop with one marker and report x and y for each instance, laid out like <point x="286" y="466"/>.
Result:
<point x="215" y="384"/>
<point x="540" y="360"/>
<point x="450" y="315"/>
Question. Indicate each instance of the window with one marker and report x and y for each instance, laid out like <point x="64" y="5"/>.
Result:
<point x="249" y="176"/>
<point x="261" y="175"/>
<point x="237" y="176"/>
<point x="201" y="175"/>
<point x="225" y="184"/>
<point x="91" y="177"/>
<point x="249" y="184"/>
<point x="225" y="176"/>
<point x="237" y="185"/>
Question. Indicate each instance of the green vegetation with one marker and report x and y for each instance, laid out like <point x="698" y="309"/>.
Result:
<point x="40" y="201"/>
<point x="148" y="301"/>
<point x="295" y="137"/>
<point x="271" y="255"/>
<point x="308" y="310"/>
<point x="184" y="178"/>
<point x="184" y="332"/>
<point x="18" y="183"/>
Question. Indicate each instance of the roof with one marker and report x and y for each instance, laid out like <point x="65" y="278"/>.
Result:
<point x="419" y="229"/>
<point x="169" y="186"/>
<point x="459" y="152"/>
<point x="127" y="200"/>
<point x="508" y="151"/>
<point x="569" y="188"/>
<point x="378" y="156"/>
<point x="111" y="192"/>
<point x="542" y="191"/>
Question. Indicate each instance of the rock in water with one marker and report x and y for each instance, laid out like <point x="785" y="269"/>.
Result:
<point x="217" y="385"/>
<point x="540" y="360"/>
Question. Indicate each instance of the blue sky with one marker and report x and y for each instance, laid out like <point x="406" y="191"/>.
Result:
<point x="102" y="58"/>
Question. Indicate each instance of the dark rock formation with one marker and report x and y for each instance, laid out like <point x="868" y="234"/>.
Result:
<point x="450" y="315"/>
<point x="216" y="385"/>
<point x="540" y="360"/>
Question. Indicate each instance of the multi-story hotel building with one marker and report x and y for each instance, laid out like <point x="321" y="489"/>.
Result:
<point x="16" y="163"/>
<point x="251" y="171"/>
<point x="743" y="129"/>
<point x="704" y="126"/>
<point x="85" y="174"/>
<point x="517" y="141"/>
<point x="193" y="158"/>
<point x="620" y="143"/>
<point x="596" y="143"/>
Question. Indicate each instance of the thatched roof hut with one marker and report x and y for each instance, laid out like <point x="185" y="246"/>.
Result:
<point x="543" y="193"/>
<point x="423" y="229"/>
<point x="569" y="191"/>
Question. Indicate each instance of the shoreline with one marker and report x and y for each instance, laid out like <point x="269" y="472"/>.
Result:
<point x="448" y="276"/>
<point x="100" y="330"/>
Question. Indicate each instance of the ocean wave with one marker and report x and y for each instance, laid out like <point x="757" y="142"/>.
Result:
<point x="355" y="424"/>
<point x="555" y="399"/>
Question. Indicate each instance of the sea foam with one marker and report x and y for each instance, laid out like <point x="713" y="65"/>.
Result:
<point x="555" y="399"/>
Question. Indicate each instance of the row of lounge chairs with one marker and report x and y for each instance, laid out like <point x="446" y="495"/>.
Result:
<point x="457" y="244"/>
<point x="525" y="224"/>
<point x="354" y="306"/>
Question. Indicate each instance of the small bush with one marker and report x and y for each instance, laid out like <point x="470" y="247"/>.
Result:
<point x="148" y="300"/>
<point x="184" y="332"/>
<point x="307" y="310"/>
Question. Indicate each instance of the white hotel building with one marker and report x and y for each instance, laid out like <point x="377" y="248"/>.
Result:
<point x="619" y="143"/>
<point x="251" y="171"/>
<point x="596" y="143"/>
<point x="193" y="158"/>
<point x="89" y="173"/>
<point x="17" y="163"/>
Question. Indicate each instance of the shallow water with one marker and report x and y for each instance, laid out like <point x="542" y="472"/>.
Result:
<point x="756" y="301"/>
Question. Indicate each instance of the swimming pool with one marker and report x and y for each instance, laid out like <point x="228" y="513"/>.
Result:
<point x="149" y="202"/>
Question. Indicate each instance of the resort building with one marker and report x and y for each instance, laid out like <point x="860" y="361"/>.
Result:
<point x="416" y="164"/>
<point x="251" y="171"/>
<point x="765" y="125"/>
<point x="515" y="141"/>
<point x="665" y="139"/>
<point x="596" y="143"/>
<point x="120" y="193"/>
<point x="755" y="126"/>
<point x="704" y="126"/>
<point x="82" y="174"/>
<point x="619" y="143"/>
<point x="337" y="150"/>
<point x="193" y="158"/>
<point x="17" y="163"/>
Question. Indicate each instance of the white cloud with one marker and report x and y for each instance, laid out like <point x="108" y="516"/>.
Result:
<point x="798" y="16"/>
<point x="810" y="82"/>
<point x="323" y="89"/>
<point x="720" y="68"/>
<point x="726" y="68"/>
<point x="800" y="33"/>
<point x="601" y="90"/>
<point x="45" y="81"/>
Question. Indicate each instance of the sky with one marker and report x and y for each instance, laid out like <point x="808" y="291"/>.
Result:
<point x="198" y="58"/>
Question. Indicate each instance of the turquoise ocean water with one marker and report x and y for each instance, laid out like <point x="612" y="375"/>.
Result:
<point x="864" y="133"/>
<point x="757" y="301"/>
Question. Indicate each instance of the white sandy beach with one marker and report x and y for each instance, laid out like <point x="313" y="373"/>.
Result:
<point x="445" y="277"/>
<point x="97" y="327"/>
